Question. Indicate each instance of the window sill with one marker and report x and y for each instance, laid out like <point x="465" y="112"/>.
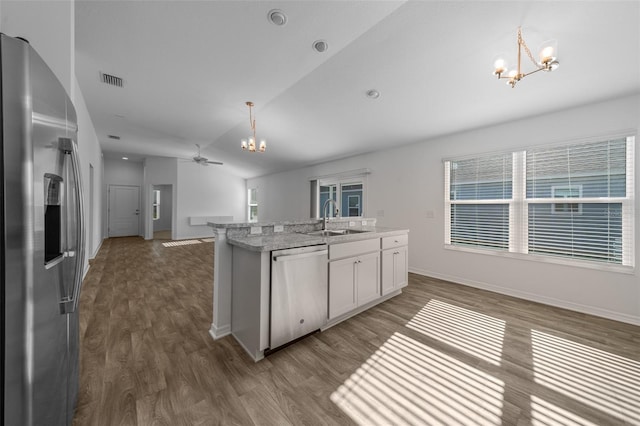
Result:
<point x="629" y="270"/>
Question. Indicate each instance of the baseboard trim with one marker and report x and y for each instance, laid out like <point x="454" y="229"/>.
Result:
<point x="95" y="252"/>
<point x="219" y="332"/>
<point x="585" y="309"/>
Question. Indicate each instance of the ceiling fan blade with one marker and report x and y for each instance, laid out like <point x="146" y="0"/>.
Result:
<point x="215" y="162"/>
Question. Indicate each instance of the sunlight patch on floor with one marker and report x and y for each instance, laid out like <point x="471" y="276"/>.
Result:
<point x="406" y="382"/>
<point x="599" y="379"/>
<point x="474" y="333"/>
<point x="545" y="413"/>
<point x="181" y="243"/>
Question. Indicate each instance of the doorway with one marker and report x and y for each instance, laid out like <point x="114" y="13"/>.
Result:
<point x="161" y="211"/>
<point x="124" y="210"/>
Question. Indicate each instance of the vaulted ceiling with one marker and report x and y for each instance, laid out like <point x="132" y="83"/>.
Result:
<point x="188" y="67"/>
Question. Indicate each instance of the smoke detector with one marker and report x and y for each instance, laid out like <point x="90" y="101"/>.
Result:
<point x="320" y="46"/>
<point x="277" y="17"/>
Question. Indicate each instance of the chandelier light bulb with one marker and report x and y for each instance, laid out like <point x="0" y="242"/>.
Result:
<point x="548" y="52"/>
<point x="243" y="144"/>
<point x="499" y="66"/>
<point x="263" y="145"/>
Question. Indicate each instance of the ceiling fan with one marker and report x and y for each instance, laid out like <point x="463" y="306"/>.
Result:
<point x="204" y="161"/>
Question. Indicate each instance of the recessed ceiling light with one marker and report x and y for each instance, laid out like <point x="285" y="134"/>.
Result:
<point x="277" y="17"/>
<point x="373" y="94"/>
<point x="320" y="46"/>
<point x="125" y="158"/>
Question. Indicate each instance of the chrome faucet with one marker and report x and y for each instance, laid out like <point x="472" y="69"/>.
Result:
<point x="324" y="211"/>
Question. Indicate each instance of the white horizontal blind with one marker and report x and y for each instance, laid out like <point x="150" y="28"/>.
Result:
<point x="571" y="201"/>
<point x="576" y="196"/>
<point x="479" y="190"/>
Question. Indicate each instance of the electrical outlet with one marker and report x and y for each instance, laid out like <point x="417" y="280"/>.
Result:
<point x="364" y="223"/>
<point x="352" y="223"/>
<point x="278" y="228"/>
<point x="256" y="230"/>
<point x="430" y="214"/>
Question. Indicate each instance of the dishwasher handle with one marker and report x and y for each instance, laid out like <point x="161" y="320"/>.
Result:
<point x="286" y="257"/>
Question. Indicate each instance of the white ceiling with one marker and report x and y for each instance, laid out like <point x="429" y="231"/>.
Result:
<point x="189" y="66"/>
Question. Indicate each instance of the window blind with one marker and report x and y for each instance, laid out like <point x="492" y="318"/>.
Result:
<point x="570" y="201"/>
<point x="576" y="197"/>
<point x="478" y="207"/>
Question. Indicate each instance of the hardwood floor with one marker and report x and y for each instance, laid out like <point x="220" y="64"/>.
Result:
<point x="440" y="353"/>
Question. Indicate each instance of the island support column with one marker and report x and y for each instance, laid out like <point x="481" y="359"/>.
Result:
<point x="222" y="261"/>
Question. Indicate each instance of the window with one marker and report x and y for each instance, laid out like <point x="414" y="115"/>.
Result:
<point x="566" y="191"/>
<point x="156" y="204"/>
<point x="347" y="191"/>
<point x="479" y="192"/>
<point x="518" y="202"/>
<point x="252" y="204"/>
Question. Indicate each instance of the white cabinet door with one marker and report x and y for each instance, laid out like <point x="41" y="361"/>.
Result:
<point x="368" y="278"/>
<point x="342" y="288"/>
<point x="394" y="269"/>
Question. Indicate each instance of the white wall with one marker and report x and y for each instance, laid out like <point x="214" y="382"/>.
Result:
<point x="90" y="155"/>
<point x="50" y="28"/>
<point x="121" y="172"/>
<point x="207" y="191"/>
<point x="406" y="185"/>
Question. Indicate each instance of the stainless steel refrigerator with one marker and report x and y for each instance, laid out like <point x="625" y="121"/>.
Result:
<point x="42" y="241"/>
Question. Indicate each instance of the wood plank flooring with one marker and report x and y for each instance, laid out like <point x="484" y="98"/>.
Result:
<point x="440" y="353"/>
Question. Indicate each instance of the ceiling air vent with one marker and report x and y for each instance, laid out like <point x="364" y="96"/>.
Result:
<point x="111" y="80"/>
<point x="114" y="137"/>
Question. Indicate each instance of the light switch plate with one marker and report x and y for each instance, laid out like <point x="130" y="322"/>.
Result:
<point x="278" y="228"/>
<point x="256" y="229"/>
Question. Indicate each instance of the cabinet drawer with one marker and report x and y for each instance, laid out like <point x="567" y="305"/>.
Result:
<point x="395" y="241"/>
<point x="354" y="248"/>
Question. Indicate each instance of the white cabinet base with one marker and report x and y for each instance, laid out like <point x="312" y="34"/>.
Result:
<point x="360" y="309"/>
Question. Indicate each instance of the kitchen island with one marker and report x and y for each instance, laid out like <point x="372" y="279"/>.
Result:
<point x="363" y="265"/>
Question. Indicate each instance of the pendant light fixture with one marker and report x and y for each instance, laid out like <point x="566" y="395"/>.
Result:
<point x="547" y="61"/>
<point x="250" y="143"/>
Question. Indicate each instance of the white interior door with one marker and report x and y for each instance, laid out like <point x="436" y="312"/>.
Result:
<point x="124" y="210"/>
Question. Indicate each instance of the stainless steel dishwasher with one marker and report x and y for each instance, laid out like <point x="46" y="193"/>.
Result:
<point x="299" y="293"/>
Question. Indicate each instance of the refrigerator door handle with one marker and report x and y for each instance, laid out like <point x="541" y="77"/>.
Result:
<point x="70" y="303"/>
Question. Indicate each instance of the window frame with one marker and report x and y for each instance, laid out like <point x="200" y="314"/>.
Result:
<point x="252" y="203"/>
<point x="519" y="216"/>
<point x="155" y="205"/>
<point x="555" y="205"/>
<point x="339" y="182"/>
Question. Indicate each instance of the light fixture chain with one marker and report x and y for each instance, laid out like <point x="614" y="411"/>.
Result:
<point x="526" y="48"/>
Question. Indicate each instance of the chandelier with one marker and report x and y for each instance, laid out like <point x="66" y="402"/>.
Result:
<point x="250" y="143"/>
<point x="547" y="61"/>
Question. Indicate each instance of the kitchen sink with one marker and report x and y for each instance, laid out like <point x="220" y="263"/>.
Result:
<point x="335" y="232"/>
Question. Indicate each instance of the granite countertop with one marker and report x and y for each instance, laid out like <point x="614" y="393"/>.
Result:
<point x="279" y="241"/>
<point x="231" y="224"/>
